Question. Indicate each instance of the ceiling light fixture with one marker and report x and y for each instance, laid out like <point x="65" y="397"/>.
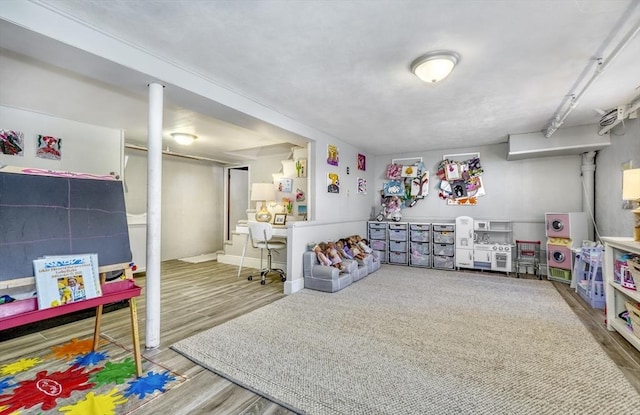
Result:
<point x="434" y="66"/>
<point x="184" y="138"/>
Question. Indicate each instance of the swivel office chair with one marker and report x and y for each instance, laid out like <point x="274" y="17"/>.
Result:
<point x="261" y="234"/>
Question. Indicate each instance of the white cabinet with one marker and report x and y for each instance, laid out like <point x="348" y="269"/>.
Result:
<point x="615" y="293"/>
<point x="484" y="244"/>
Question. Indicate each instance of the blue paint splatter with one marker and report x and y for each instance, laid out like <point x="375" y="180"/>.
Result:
<point x="6" y="384"/>
<point x="148" y="384"/>
<point x="92" y="358"/>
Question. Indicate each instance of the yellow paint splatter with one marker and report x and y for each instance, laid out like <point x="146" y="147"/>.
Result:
<point x="2" y="408"/>
<point x="72" y="349"/>
<point x="96" y="404"/>
<point x="19" y="366"/>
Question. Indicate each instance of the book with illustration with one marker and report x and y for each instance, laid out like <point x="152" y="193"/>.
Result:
<point x="66" y="279"/>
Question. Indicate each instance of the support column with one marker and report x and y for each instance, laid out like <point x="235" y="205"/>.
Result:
<point x="588" y="169"/>
<point x="154" y="215"/>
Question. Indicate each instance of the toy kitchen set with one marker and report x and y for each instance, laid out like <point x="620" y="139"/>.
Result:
<point x="484" y="244"/>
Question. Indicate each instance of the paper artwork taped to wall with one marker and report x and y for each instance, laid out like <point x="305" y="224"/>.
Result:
<point x="333" y="183"/>
<point x="393" y="188"/>
<point x="362" y="162"/>
<point x="49" y="147"/>
<point x="287" y="204"/>
<point x="332" y="155"/>
<point x="12" y="142"/>
<point x="299" y="195"/>
<point x="285" y="185"/>
<point x="362" y="186"/>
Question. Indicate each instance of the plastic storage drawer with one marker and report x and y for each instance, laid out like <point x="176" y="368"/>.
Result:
<point x="377" y="234"/>
<point x="419" y="260"/>
<point x="378" y="225"/>
<point x="398" y="226"/>
<point x="419" y="226"/>
<point x="444" y="228"/>
<point x="397" y="257"/>
<point x="397" y="235"/>
<point x="443" y="249"/>
<point x="419" y="248"/>
<point x="443" y="262"/>
<point x="419" y="236"/>
<point x="398" y="246"/>
<point x="378" y="245"/>
<point x="443" y="237"/>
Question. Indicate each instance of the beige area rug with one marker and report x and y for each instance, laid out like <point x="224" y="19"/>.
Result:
<point x="419" y="341"/>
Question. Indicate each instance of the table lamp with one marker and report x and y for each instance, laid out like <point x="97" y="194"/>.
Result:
<point x="631" y="191"/>
<point x="263" y="192"/>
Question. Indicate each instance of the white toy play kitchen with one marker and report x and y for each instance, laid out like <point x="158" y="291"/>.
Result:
<point x="484" y="244"/>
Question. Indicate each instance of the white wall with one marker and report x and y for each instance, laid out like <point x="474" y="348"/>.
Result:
<point x="192" y="203"/>
<point x="85" y="148"/>
<point x="521" y="191"/>
<point x="612" y="220"/>
<point x="347" y="204"/>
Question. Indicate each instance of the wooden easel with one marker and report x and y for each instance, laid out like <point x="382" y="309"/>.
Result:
<point x="125" y="289"/>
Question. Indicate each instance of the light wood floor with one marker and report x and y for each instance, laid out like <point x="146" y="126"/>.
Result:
<point x="196" y="297"/>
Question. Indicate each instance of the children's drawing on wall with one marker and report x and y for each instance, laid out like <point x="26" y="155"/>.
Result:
<point x="362" y="186"/>
<point x="333" y="183"/>
<point x="299" y="195"/>
<point x="332" y="155"/>
<point x="49" y="147"/>
<point x="460" y="181"/>
<point x="287" y="204"/>
<point x="362" y="162"/>
<point x="285" y="185"/>
<point x="301" y="168"/>
<point x="11" y="142"/>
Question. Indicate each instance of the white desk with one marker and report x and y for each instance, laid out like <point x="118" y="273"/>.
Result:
<point x="278" y="231"/>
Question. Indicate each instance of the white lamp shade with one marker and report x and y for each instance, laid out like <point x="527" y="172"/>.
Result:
<point x="435" y="66"/>
<point x="631" y="184"/>
<point x="263" y="191"/>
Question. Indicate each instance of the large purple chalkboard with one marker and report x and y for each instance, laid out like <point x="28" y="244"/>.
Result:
<point x="48" y="215"/>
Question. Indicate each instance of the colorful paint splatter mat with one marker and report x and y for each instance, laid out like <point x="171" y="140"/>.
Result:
<point x="72" y="379"/>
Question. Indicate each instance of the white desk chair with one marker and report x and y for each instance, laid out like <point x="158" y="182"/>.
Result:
<point x="261" y="234"/>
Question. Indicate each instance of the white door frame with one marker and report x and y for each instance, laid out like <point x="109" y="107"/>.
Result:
<point x="227" y="193"/>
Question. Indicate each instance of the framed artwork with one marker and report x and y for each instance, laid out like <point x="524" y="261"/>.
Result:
<point x="362" y="162"/>
<point x="279" y="218"/>
<point x="362" y="186"/>
<point x="332" y="155"/>
<point x="285" y="185"/>
<point x="11" y="142"/>
<point x="301" y="168"/>
<point x="333" y="183"/>
<point x="49" y="147"/>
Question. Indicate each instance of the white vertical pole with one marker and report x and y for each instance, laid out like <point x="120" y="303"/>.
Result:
<point x="154" y="215"/>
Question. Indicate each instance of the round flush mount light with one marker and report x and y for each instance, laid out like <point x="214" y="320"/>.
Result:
<point x="434" y="66"/>
<point x="184" y="138"/>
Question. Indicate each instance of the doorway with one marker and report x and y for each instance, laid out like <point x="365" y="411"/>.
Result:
<point x="237" y="197"/>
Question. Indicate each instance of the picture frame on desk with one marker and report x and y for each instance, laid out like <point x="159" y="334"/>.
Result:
<point x="279" y="218"/>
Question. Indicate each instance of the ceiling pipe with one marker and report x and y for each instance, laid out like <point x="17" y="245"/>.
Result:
<point x="558" y="119"/>
<point x="186" y="156"/>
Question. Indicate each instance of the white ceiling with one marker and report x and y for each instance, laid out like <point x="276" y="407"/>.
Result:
<point x="339" y="68"/>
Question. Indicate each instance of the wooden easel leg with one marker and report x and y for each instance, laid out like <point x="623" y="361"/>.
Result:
<point x="135" y="335"/>
<point x="96" y="329"/>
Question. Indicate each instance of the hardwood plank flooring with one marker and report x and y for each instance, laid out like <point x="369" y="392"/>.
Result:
<point x="196" y="297"/>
